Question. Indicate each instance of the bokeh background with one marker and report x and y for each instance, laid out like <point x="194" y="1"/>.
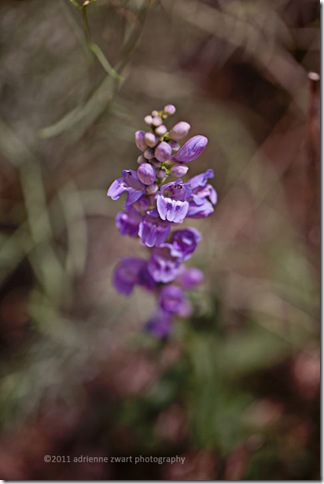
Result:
<point x="236" y="388"/>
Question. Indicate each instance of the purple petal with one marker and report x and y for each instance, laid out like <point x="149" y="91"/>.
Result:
<point x="116" y="189"/>
<point x="153" y="231"/>
<point x="172" y="210"/>
<point x="201" y="180"/>
<point x="200" y="211"/>
<point x="191" y="149"/>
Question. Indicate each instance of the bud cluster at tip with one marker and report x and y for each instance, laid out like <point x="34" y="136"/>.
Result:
<point x="155" y="206"/>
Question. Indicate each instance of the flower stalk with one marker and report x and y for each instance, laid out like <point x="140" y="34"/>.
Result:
<point x="154" y="210"/>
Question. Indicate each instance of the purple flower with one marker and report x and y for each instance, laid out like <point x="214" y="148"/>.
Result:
<point x="180" y="130"/>
<point x="128" y="222"/>
<point x="191" y="149"/>
<point x="160" y="325"/>
<point x="201" y="189"/>
<point x="172" y="202"/>
<point x="164" y="263"/>
<point x="163" y="151"/>
<point x="129" y="272"/>
<point x="146" y="174"/>
<point x="189" y="278"/>
<point x="150" y="209"/>
<point x="153" y="231"/>
<point x="199" y="206"/>
<point x="130" y="184"/>
<point x="173" y="300"/>
<point x="185" y="241"/>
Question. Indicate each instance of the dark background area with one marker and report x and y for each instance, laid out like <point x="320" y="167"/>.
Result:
<point x="236" y="388"/>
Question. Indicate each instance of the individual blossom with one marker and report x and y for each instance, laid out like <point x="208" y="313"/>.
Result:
<point x="185" y="241"/>
<point x="159" y="325"/>
<point x="153" y="231"/>
<point x="203" y="196"/>
<point x="173" y="300"/>
<point x="172" y="201"/>
<point x="130" y="184"/>
<point x="190" y="277"/>
<point x="164" y="263"/>
<point x="128" y="222"/>
<point x="131" y="271"/>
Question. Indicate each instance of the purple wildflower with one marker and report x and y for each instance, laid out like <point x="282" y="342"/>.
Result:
<point x="172" y="202"/>
<point x="152" y="206"/>
<point x="164" y="263"/>
<point x="128" y="183"/>
<point x="153" y="231"/>
<point x="160" y="325"/>
<point x="129" y="272"/>
<point x="185" y="241"/>
<point x="128" y="222"/>
<point x="189" y="278"/>
<point x="174" y="301"/>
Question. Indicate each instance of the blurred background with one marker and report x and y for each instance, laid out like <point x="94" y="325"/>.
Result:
<point x="236" y="388"/>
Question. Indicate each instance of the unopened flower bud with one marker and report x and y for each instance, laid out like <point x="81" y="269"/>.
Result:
<point x="151" y="140"/>
<point x="163" y="151"/>
<point x="148" y="119"/>
<point x="157" y="121"/>
<point x="169" y="109"/>
<point x="161" y="130"/>
<point x="174" y="145"/>
<point x="146" y="174"/>
<point x="151" y="189"/>
<point x="180" y="130"/>
<point x="161" y="174"/>
<point x="191" y="149"/>
<point x="155" y="113"/>
<point x="179" y="170"/>
<point x="149" y="154"/>
<point x="140" y="140"/>
<point x="141" y="159"/>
